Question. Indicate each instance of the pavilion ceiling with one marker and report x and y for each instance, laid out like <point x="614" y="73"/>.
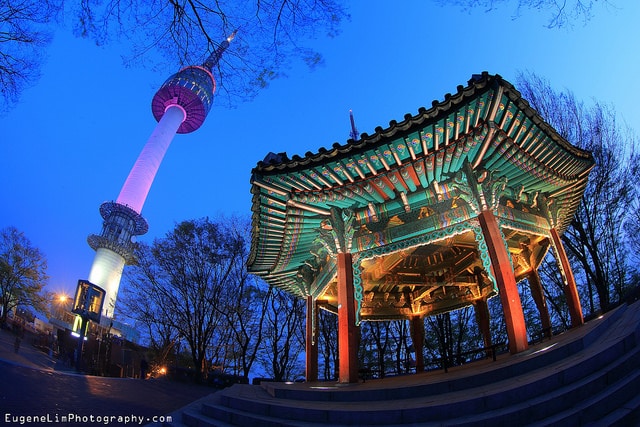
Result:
<point x="397" y="199"/>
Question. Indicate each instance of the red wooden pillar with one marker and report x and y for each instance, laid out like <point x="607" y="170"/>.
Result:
<point x="347" y="330"/>
<point x="417" y="336"/>
<point x="481" y="310"/>
<point x="311" y="354"/>
<point x="506" y="280"/>
<point x="570" y="289"/>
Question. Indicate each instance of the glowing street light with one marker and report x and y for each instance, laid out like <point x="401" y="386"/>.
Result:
<point x="59" y="303"/>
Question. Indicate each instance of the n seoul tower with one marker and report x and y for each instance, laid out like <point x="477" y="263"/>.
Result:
<point x="180" y="106"/>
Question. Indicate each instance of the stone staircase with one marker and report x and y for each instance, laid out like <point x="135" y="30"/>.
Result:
<point x="586" y="376"/>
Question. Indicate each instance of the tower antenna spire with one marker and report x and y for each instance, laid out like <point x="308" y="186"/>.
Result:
<point x="215" y="56"/>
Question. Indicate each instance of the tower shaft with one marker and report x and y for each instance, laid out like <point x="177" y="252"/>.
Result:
<point x="136" y="188"/>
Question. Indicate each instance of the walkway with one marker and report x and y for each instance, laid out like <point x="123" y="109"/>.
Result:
<point x="32" y="384"/>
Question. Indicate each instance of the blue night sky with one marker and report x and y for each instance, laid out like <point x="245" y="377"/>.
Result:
<point x="69" y="144"/>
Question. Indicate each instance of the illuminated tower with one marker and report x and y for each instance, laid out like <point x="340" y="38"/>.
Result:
<point x="180" y="106"/>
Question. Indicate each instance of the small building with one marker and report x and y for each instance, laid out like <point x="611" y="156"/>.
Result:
<point x="445" y="209"/>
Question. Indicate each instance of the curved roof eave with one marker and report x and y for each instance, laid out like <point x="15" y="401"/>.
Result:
<point x="477" y="84"/>
<point x="272" y="188"/>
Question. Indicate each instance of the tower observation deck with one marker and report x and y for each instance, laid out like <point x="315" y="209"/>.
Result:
<point x="180" y="105"/>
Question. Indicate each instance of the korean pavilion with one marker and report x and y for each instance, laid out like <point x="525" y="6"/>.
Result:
<point x="445" y="209"/>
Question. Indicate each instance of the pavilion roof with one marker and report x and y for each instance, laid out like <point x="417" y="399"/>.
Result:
<point x="486" y="125"/>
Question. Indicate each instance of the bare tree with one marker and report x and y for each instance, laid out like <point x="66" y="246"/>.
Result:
<point x="24" y="35"/>
<point x="375" y="341"/>
<point x="22" y="273"/>
<point x="450" y="335"/>
<point x="270" y="34"/>
<point x="162" y="342"/>
<point x="180" y="280"/>
<point x="169" y="34"/>
<point x="400" y="332"/>
<point x="633" y="230"/>
<point x="554" y="293"/>
<point x="328" y="343"/>
<point x="283" y="339"/>
<point x="245" y="314"/>
<point x="439" y="326"/>
<point x="244" y="304"/>
<point x="596" y="240"/>
<point x="561" y="12"/>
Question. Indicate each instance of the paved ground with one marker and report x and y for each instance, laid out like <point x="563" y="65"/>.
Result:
<point x="34" y="385"/>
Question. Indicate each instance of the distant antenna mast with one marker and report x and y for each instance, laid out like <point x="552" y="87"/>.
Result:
<point x="354" y="132"/>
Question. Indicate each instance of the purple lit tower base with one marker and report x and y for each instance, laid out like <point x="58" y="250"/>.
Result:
<point x="180" y="106"/>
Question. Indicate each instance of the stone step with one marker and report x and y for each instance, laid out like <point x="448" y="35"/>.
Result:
<point x="192" y="418"/>
<point x="597" y="407"/>
<point x="484" y="371"/>
<point x="590" y="398"/>
<point x="531" y="396"/>
<point x="219" y="416"/>
<point x="526" y="364"/>
<point x="627" y="414"/>
<point x="591" y="376"/>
